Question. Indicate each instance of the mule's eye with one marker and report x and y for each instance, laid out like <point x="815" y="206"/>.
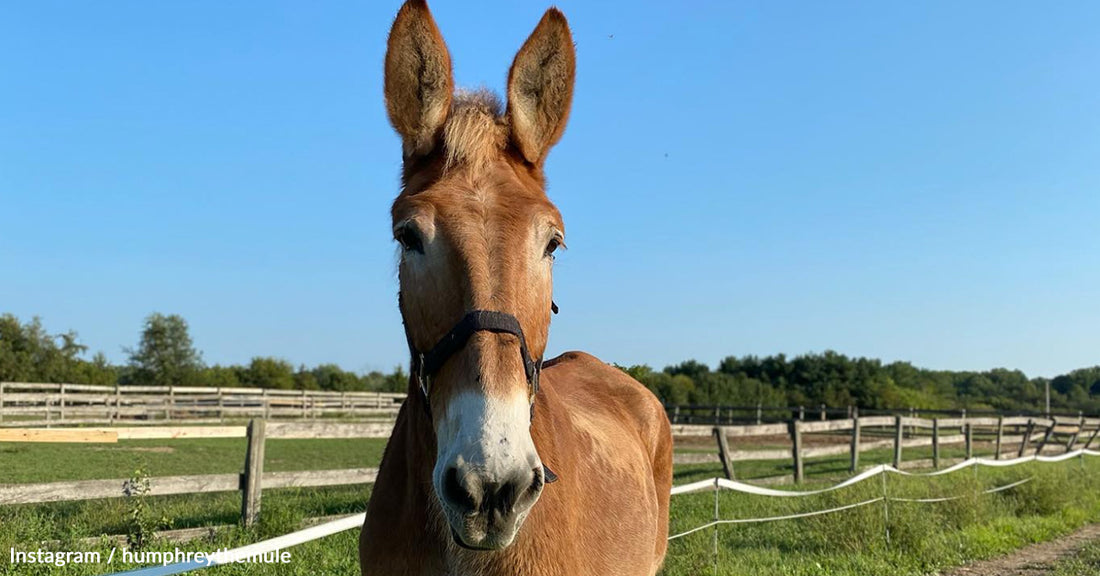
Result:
<point x="409" y="238"/>
<point x="555" y="243"/>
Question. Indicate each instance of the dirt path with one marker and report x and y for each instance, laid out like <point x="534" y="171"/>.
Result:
<point x="1034" y="560"/>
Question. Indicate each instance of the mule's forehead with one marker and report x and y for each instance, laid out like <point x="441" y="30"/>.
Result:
<point x="461" y="206"/>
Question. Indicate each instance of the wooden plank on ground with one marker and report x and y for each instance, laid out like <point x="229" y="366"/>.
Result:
<point x="179" y="432"/>
<point x="58" y="435"/>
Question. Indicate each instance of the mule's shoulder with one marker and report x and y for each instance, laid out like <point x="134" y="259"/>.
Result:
<point x="594" y="376"/>
<point x="591" y="386"/>
<point x="584" y="364"/>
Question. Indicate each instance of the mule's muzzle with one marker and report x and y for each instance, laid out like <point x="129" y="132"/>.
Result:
<point x="485" y="513"/>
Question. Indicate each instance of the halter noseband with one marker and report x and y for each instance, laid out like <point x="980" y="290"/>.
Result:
<point x="426" y="364"/>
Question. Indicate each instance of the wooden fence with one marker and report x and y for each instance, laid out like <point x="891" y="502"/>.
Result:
<point x="1020" y="435"/>
<point x="30" y="404"/>
<point x="251" y="482"/>
<point x="738" y="415"/>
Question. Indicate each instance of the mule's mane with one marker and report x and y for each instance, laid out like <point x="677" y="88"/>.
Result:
<point x="476" y="131"/>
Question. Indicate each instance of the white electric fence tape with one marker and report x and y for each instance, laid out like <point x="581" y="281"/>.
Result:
<point x="253" y="550"/>
<point x="775" y="518"/>
<point x="722" y="483"/>
<point x="329" y="528"/>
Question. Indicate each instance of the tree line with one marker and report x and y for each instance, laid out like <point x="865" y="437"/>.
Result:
<point x="836" y="380"/>
<point x="165" y="355"/>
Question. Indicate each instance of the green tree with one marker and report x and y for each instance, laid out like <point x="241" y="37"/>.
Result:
<point x="264" y="372"/>
<point x="304" y="379"/>
<point x="218" y="376"/>
<point x="332" y="377"/>
<point x="165" y="356"/>
<point x="28" y="353"/>
<point x="396" y="382"/>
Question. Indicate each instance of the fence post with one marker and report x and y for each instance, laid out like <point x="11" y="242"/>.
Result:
<point x="267" y="404"/>
<point x="1027" y="438"/>
<point x="936" y="443"/>
<point x="759" y="414"/>
<point x="1000" y="435"/>
<point x="1046" y="437"/>
<point x="61" y="410"/>
<point x="221" y="405"/>
<point x="824" y="415"/>
<point x="899" y="430"/>
<point x="796" y="449"/>
<point x="969" y="440"/>
<point x="303" y="404"/>
<point x="49" y="410"/>
<point x="1" y="401"/>
<point x="724" y="451"/>
<point x="252" y="482"/>
<point x="855" y="442"/>
<point x="118" y="403"/>
<point x="676" y="414"/>
<point x="1073" y="439"/>
<point x="801" y="413"/>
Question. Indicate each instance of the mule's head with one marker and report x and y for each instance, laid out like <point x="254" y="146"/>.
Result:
<point x="477" y="232"/>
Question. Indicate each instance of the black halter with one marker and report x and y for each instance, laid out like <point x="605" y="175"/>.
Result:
<point x="426" y="364"/>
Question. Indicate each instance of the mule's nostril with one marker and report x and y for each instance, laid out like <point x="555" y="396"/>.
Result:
<point x="505" y="498"/>
<point x="458" y="494"/>
<point x="537" y="480"/>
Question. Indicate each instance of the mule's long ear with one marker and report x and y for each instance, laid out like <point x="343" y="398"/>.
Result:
<point x="419" y="82"/>
<point x="540" y="87"/>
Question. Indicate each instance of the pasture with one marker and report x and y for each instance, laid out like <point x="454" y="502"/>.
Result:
<point x="922" y="537"/>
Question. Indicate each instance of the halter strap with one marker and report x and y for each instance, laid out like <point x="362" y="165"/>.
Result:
<point x="426" y="364"/>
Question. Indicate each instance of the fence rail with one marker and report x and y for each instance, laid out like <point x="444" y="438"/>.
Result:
<point x="34" y="404"/>
<point x="743" y="415"/>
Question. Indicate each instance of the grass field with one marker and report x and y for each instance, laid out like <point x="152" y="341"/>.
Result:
<point x="923" y="537"/>
<point x="1085" y="563"/>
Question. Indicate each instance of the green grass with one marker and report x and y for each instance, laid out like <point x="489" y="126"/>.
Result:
<point x="923" y="537"/>
<point x="32" y="463"/>
<point x="1084" y="563"/>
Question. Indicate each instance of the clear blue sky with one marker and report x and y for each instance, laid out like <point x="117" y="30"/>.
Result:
<point x="904" y="180"/>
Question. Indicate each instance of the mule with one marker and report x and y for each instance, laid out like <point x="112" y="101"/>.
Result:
<point x="501" y="464"/>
